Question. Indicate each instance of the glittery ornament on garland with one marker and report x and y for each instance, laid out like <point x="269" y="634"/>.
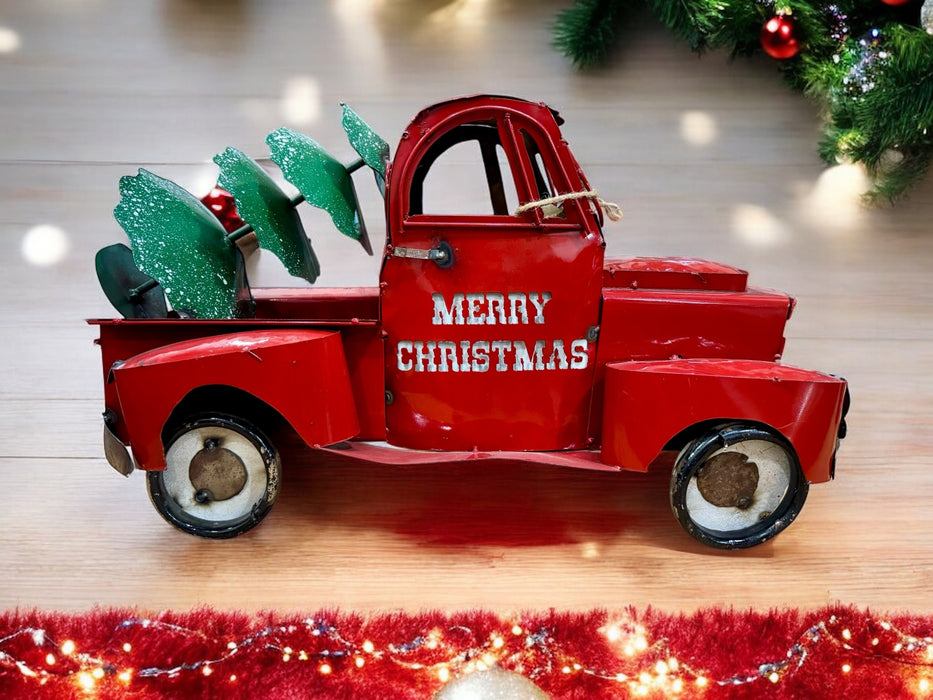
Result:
<point x="778" y="38"/>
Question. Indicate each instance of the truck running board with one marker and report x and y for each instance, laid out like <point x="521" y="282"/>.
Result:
<point x="384" y="453"/>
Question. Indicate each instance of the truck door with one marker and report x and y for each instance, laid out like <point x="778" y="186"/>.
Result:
<point x="490" y="313"/>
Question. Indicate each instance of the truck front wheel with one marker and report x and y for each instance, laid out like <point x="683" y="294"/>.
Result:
<point x="737" y="486"/>
<point x="221" y="477"/>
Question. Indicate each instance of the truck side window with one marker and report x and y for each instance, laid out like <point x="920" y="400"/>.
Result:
<point x="466" y="172"/>
<point x="544" y="184"/>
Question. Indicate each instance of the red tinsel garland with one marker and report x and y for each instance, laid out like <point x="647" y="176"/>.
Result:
<point x="713" y="653"/>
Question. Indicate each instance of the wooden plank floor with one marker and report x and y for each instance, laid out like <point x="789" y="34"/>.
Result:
<point x="708" y="157"/>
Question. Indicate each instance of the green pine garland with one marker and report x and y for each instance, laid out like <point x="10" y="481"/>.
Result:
<point x="867" y="64"/>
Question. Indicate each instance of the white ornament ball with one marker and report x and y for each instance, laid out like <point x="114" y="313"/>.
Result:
<point x="492" y="684"/>
<point x="926" y="16"/>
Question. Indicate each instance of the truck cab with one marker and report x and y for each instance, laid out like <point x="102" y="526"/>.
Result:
<point x="491" y="345"/>
<point x="497" y="331"/>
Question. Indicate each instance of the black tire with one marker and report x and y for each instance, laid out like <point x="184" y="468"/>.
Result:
<point x="222" y="477"/>
<point x="753" y="487"/>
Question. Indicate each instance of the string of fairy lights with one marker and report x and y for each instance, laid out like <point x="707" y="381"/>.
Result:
<point x="642" y="665"/>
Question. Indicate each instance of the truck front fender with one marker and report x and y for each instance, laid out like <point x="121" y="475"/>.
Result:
<point x="300" y="373"/>
<point x="647" y="404"/>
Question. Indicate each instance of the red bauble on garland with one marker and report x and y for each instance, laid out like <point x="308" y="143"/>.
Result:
<point x="778" y="38"/>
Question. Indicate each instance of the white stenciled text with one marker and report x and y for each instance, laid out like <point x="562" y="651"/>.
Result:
<point x="491" y="309"/>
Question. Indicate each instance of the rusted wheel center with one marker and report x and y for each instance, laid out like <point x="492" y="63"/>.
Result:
<point x="728" y="480"/>
<point x="216" y="473"/>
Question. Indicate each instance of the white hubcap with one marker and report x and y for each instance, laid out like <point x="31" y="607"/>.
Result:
<point x="194" y="498"/>
<point x="774" y="478"/>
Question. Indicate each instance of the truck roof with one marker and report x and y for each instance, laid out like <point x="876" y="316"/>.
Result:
<point x="482" y="100"/>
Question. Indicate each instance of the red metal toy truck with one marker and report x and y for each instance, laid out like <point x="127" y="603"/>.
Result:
<point x="496" y="332"/>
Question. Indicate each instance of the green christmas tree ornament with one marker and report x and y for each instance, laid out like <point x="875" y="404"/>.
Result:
<point x="322" y="180"/>
<point x="372" y="148"/>
<point x="178" y="242"/>
<point x="269" y="212"/>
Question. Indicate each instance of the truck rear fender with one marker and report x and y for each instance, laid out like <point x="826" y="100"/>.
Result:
<point x="652" y="406"/>
<point x="300" y="374"/>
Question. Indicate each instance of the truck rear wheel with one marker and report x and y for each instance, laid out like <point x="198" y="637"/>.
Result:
<point x="737" y="486"/>
<point x="221" y="477"/>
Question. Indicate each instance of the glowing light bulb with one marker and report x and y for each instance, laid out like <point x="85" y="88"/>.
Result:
<point x="517" y="630"/>
<point x="498" y="643"/>
<point x="207" y="671"/>
<point x="325" y="669"/>
<point x="125" y="676"/>
<point x="97" y="674"/>
<point x="68" y="647"/>
<point x="443" y="674"/>
<point x="359" y="661"/>
<point x="86" y="681"/>
<point x="127" y="647"/>
<point x="846" y="668"/>
<point x="368" y="647"/>
<point x="774" y="677"/>
<point x="50" y="659"/>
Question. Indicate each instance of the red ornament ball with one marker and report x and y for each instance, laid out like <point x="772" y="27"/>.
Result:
<point x="895" y="3"/>
<point x="777" y="37"/>
<point x="223" y="206"/>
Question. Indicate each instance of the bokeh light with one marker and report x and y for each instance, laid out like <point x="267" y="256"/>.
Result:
<point x="9" y="40"/>
<point x="757" y="227"/>
<point x="301" y="101"/>
<point x="44" y="245"/>
<point x="834" y="203"/>
<point x="698" y="128"/>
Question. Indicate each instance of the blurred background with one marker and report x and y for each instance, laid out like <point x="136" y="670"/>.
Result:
<point x="707" y="156"/>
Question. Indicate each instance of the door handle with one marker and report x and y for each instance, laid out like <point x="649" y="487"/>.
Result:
<point x="442" y="254"/>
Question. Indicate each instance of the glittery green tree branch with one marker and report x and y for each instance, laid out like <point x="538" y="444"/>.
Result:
<point x="868" y="65"/>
